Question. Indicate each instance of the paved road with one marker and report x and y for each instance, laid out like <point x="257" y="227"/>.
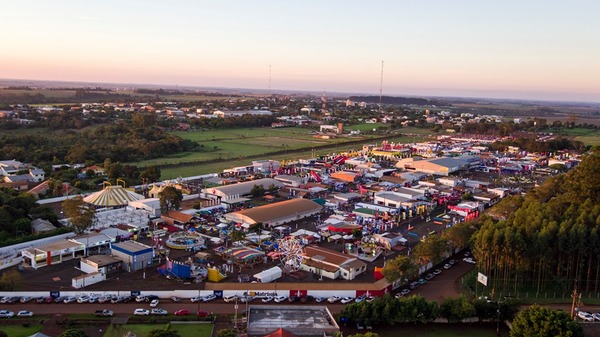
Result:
<point x="218" y="307"/>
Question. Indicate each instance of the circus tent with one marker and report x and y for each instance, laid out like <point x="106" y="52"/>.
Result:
<point x="112" y="196"/>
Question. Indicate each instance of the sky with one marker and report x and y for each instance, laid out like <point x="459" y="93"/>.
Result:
<point x="521" y="49"/>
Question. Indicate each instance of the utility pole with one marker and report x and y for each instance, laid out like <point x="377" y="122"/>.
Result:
<point x="576" y="299"/>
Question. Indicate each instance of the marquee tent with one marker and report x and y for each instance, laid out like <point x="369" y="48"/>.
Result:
<point x="112" y="196"/>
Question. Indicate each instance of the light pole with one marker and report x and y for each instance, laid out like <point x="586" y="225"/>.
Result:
<point x="498" y="322"/>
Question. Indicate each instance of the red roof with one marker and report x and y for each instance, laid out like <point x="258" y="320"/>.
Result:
<point x="280" y="333"/>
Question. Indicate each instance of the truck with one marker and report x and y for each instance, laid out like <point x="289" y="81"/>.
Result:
<point x="104" y="313"/>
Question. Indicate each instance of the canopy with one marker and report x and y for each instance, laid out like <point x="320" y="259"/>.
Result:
<point x="112" y="196"/>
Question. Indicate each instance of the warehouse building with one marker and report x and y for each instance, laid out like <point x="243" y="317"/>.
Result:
<point x="276" y="214"/>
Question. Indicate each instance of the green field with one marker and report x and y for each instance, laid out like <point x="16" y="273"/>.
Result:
<point x="20" y="330"/>
<point x="586" y="136"/>
<point x="142" y="330"/>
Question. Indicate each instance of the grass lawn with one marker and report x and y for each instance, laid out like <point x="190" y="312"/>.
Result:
<point x="439" y="330"/>
<point x="142" y="330"/>
<point x="21" y="331"/>
<point x="139" y="329"/>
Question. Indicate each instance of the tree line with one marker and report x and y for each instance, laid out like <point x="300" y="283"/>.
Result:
<point x="548" y="239"/>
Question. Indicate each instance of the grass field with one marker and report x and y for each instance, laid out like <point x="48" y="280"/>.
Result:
<point x="439" y="330"/>
<point x="192" y="330"/>
<point x="21" y="331"/>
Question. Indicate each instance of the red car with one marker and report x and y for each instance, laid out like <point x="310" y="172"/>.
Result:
<point x="203" y="313"/>
<point x="182" y="312"/>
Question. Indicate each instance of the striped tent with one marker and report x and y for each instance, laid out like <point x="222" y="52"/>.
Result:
<point x="112" y="196"/>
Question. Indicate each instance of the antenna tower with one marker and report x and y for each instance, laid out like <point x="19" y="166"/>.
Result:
<point x="381" y="87"/>
<point x="323" y="103"/>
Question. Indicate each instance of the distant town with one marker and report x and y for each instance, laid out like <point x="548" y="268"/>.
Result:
<point x="158" y="205"/>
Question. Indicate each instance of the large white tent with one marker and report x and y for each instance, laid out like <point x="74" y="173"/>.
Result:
<point x="112" y="196"/>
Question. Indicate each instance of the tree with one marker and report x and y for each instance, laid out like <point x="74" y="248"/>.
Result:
<point x="236" y="235"/>
<point x="3" y="334"/>
<point x="357" y="234"/>
<point x="170" y="199"/>
<point x="81" y="215"/>
<point x="11" y="280"/>
<point x="73" y="332"/>
<point x="398" y="268"/>
<point x="456" y="309"/>
<point x="542" y="321"/>
<point x="226" y="333"/>
<point x="152" y="173"/>
<point x="257" y="191"/>
<point x="163" y="333"/>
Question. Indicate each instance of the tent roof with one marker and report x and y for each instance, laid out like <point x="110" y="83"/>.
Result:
<point x="281" y="332"/>
<point x="112" y="196"/>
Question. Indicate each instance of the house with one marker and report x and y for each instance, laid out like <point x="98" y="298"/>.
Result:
<point x="331" y="264"/>
<point x="98" y="171"/>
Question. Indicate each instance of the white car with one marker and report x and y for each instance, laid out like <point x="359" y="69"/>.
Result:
<point x="346" y="300"/>
<point x="83" y="299"/>
<point x="447" y="266"/>
<point x="141" y="312"/>
<point x="157" y="311"/>
<point x="360" y="298"/>
<point x="154" y="303"/>
<point x="6" y="313"/>
<point x="469" y="260"/>
<point x="208" y="298"/>
<point x="280" y="299"/>
<point x="267" y="299"/>
<point x="246" y="299"/>
<point x="196" y="299"/>
<point x="596" y="316"/>
<point x="320" y="299"/>
<point x="24" y="313"/>
<point x="70" y="299"/>
<point x="333" y="299"/>
<point x="586" y="316"/>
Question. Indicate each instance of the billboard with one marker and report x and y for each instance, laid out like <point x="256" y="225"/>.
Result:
<point x="482" y="279"/>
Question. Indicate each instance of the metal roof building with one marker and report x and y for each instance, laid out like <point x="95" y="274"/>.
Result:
<point x="308" y="321"/>
<point x="276" y="214"/>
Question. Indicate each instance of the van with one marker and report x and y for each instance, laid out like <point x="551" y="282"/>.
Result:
<point x="230" y="298"/>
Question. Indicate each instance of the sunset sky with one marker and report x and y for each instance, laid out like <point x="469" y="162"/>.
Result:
<point x="504" y="49"/>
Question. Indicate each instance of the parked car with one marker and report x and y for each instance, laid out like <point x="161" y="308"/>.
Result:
<point x="452" y="262"/>
<point x="83" y="299"/>
<point x="141" y="312"/>
<point x="293" y="299"/>
<point x="24" y="313"/>
<point x="596" y="316"/>
<point x="447" y="266"/>
<point x="26" y="299"/>
<point x="267" y="299"/>
<point x="586" y="316"/>
<point x="175" y="299"/>
<point x="104" y="313"/>
<point x="422" y="281"/>
<point x="154" y="303"/>
<point x="360" y="298"/>
<point x="320" y="299"/>
<point x="437" y="272"/>
<point x="469" y="260"/>
<point x="414" y="285"/>
<point x="231" y="298"/>
<point x="151" y="298"/>
<point x="346" y="300"/>
<point x="246" y="299"/>
<point x="182" y="312"/>
<point x="70" y="299"/>
<point x="157" y="311"/>
<point x="208" y="298"/>
<point x="203" y="313"/>
<point x="306" y="298"/>
<point x="6" y="313"/>
<point x="429" y="276"/>
<point x="280" y="299"/>
<point x="333" y="299"/>
<point x="196" y="299"/>
<point x="140" y="298"/>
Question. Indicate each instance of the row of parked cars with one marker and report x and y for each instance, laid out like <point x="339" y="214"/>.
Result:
<point x="162" y="312"/>
<point x="588" y="317"/>
<point x="9" y="314"/>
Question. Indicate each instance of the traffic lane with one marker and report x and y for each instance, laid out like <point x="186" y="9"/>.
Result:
<point x="445" y="284"/>
<point x="128" y="308"/>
